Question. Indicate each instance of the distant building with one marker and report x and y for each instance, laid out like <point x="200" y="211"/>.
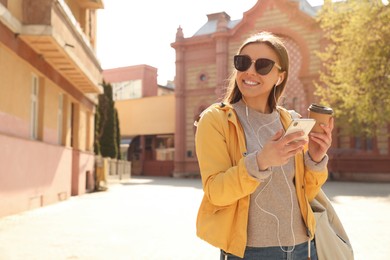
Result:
<point x="50" y="80"/>
<point x="132" y="81"/>
<point x="169" y="89"/>
<point x="204" y="62"/>
<point x="147" y="120"/>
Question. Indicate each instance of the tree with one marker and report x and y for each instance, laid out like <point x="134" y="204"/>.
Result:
<point x="355" y="81"/>
<point x="118" y="135"/>
<point x="96" y="147"/>
<point x="107" y="125"/>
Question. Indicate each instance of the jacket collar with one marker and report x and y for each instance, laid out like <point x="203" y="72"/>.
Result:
<point x="285" y="115"/>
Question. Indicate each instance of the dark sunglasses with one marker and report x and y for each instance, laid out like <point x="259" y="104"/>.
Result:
<point x="263" y="66"/>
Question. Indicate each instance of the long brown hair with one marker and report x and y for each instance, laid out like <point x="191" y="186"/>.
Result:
<point x="233" y="94"/>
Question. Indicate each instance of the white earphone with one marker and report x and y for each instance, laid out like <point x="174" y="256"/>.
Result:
<point x="277" y="83"/>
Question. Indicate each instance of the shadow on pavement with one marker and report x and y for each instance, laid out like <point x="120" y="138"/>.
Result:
<point x="331" y="188"/>
<point x="357" y="189"/>
<point x="164" y="181"/>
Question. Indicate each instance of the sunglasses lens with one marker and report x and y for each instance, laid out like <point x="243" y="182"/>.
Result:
<point x="264" y="66"/>
<point x="242" y="62"/>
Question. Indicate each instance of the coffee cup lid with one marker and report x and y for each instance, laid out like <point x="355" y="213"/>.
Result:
<point x="320" y="109"/>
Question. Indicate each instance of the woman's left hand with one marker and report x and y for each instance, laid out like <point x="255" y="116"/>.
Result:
<point x="319" y="143"/>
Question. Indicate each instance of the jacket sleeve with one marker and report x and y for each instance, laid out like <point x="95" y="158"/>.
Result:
<point x="225" y="178"/>
<point x="316" y="175"/>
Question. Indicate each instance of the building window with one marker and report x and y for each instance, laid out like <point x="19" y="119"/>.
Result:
<point x="60" y="118"/>
<point x="127" y="89"/>
<point x="89" y="142"/>
<point x="365" y="144"/>
<point x="34" y="107"/>
<point x="369" y="144"/>
<point x="165" y="150"/>
<point x="202" y="77"/>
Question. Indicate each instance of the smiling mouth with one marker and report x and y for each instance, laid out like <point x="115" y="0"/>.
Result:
<point x="250" y="82"/>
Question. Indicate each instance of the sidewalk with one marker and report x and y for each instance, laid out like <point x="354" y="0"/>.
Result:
<point x="154" y="218"/>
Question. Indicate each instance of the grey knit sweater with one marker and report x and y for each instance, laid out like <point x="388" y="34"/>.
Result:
<point x="274" y="215"/>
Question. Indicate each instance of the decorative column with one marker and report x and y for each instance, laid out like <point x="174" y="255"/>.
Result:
<point x="179" y="163"/>
<point x="221" y="47"/>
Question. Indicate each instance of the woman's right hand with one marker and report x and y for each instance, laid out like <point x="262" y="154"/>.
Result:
<point x="279" y="149"/>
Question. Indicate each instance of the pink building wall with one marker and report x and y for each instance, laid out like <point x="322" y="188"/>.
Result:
<point x="41" y="175"/>
<point x="52" y="165"/>
<point x="83" y="164"/>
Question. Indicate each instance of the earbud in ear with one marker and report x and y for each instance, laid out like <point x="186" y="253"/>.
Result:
<point x="279" y="81"/>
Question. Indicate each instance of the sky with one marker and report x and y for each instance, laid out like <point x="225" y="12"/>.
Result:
<point x="133" y="32"/>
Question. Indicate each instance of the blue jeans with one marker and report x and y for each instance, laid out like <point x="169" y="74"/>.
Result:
<point x="275" y="253"/>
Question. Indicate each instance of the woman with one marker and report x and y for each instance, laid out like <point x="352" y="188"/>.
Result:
<point x="257" y="182"/>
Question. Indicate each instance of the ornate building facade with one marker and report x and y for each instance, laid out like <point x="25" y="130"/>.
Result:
<point x="204" y="63"/>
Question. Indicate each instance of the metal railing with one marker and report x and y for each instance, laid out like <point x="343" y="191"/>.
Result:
<point x="108" y="168"/>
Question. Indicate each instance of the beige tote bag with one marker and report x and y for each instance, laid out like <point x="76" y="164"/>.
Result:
<point x="331" y="240"/>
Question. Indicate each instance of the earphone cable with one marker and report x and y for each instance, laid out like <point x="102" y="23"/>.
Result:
<point x="260" y="192"/>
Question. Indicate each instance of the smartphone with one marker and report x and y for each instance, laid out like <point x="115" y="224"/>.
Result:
<point x="301" y="124"/>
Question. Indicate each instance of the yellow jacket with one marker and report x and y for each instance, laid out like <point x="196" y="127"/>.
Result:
<point x="223" y="214"/>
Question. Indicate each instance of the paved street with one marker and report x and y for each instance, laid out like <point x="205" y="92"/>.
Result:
<point x="154" y="218"/>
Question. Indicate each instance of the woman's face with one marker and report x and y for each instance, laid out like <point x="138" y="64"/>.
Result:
<point x="255" y="88"/>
